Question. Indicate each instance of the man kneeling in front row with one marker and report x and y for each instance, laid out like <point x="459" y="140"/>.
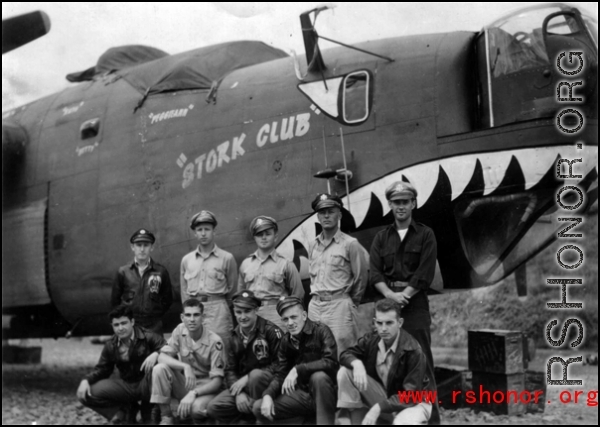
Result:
<point x="196" y="378"/>
<point x="378" y="368"/>
<point x="253" y="347"/>
<point x="134" y="351"/>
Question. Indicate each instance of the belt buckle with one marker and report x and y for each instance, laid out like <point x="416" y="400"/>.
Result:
<point x="202" y="298"/>
<point x="326" y="298"/>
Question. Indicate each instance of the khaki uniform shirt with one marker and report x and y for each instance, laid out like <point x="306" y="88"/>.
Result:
<point x="385" y="358"/>
<point x="341" y="265"/>
<point x="205" y="356"/>
<point x="270" y="278"/>
<point x="215" y="275"/>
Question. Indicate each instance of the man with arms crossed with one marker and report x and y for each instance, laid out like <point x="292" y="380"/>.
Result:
<point x="209" y="275"/>
<point x="196" y="377"/>
<point x="134" y="351"/>
<point x="304" y="373"/>
<point x="266" y="272"/>
<point x="380" y="366"/>
<point x="253" y="347"/>
<point x="338" y="267"/>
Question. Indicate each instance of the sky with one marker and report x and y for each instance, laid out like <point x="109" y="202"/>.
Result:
<point x="81" y="32"/>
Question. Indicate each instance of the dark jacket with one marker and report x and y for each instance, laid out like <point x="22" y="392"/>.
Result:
<point x="409" y="369"/>
<point x="412" y="261"/>
<point x="150" y="296"/>
<point x="317" y="352"/>
<point x="260" y="352"/>
<point x="145" y="343"/>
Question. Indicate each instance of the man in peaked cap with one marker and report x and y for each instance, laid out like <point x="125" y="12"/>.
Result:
<point x="268" y="274"/>
<point x="143" y="284"/>
<point x="209" y="274"/>
<point x="304" y="372"/>
<point x="338" y="266"/>
<point x="406" y="276"/>
<point x="253" y="348"/>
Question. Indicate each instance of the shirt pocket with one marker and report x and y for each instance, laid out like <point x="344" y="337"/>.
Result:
<point x="412" y="255"/>
<point x="216" y="280"/>
<point x="192" y="279"/>
<point x="275" y="281"/>
<point x="389" y="259"/>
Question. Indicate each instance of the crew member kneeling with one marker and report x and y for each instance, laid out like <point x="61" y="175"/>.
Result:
<point x="253" y="348"/>
<point x="197" y="377"/>
<point x="304" y="381"/>
<point x="134" y="351"/>
<point x="378" y="368"/>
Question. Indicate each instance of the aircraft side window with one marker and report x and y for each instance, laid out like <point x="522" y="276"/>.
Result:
<point x="355" y="101"/>
<point x="89" y="129"/>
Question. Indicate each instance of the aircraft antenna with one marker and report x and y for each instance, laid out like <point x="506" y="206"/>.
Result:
<point x="355" y="48"/>
<point x="489" y="76"/>
<point x="325" y="152"/>
<point x="345" y="169"/>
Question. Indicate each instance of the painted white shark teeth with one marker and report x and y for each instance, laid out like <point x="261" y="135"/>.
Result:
<point x="460" y="171"/>
<point x="494" y="167"/>
<point x="534" y="162"/>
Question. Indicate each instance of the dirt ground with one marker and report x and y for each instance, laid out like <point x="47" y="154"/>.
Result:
<point x="45" y="393"/>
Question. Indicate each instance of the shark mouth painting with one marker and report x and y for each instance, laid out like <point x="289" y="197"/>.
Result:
<point x="490" y="212"/>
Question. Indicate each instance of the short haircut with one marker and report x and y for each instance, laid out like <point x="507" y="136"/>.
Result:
<point x="193" y="303"/>
<point x="121" y="311"/>
<point x="387" y="304"/>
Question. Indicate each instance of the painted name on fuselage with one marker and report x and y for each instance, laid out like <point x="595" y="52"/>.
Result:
<point x="289" y="128"/>
<point x="170" y="114"/>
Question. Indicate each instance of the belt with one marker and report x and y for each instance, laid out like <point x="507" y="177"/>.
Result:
<point x="269" y="302"/>
<point x="208" y="298"/>
<point x="398" y="285"/>
<point x="330" y="297"/>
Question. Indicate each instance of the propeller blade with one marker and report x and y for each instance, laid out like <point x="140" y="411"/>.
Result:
<point x="22" y="29"/>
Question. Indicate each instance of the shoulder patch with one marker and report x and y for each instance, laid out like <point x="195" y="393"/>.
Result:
<point x="219" y="345"/>
<point x="278" y="333"/>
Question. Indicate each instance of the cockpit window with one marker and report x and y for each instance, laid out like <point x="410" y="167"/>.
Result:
<point x="356" y="97"/>
<point x="516" y="43"/>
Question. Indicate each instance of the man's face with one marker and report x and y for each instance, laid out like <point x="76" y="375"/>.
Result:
<point x="205" y="233"/>
<point x="123" y="327"/>
<point x="192" y="318"/>
<point x="266" y="239"/>
<point x="329" y="218"/>
<point x="246" y="317"/>
<point x="141" y="251"/>
<point x="402" y="209"/>
<point x="388" y="325"/>
<point x="294" y="319"/>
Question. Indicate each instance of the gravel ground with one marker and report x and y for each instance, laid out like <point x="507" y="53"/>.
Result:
<point x="45" y="393"/>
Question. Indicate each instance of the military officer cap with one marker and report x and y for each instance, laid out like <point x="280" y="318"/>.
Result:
<point x="323" y="201"/>
<point x="262" y="223"/>
<point x="142" y="235"/>
<point x="287" y="302"/>
<point x="246" y="299"/>
<point x="400" y="190"/>
<point x="203" y="216"/>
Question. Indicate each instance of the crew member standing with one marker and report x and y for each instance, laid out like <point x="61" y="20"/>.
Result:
<point x="266" y="273"/>
<point x="144" y="284"/>
<point x="403" y="258"/>
<point x="338" y="267"/>
<point x="209" y="275"/>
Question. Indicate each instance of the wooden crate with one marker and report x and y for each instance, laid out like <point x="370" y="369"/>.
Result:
<point x="536" y="381"/>
<point x="498" y="393"/>
<point x="496" y="351"/>
<point x="448" y="379"/>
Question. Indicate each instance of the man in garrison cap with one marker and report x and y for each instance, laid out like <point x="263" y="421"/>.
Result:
<point x="253" y="347"/>
<point x="143" y="284"/>
<point x="209" y="274"/>
<point x="403" y="258"/>
<point x="304" y="372"/>
<point x="268" y="274"/>
<point x="338" y="267"/>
